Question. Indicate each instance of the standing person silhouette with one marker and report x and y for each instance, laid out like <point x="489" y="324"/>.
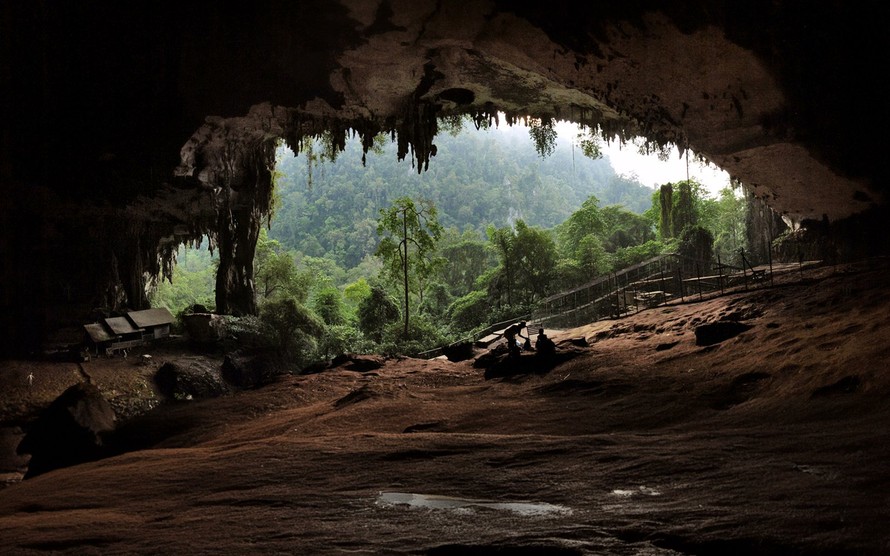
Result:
<point x="510" y="334"/>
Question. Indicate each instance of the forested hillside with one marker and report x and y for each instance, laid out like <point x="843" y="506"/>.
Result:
<point x="381" y="258"/>
<point x="478" y="178"/>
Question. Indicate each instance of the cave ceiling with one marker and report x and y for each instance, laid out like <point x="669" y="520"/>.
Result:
<point x="150" y="112"/>
<point x="779" y="94"/>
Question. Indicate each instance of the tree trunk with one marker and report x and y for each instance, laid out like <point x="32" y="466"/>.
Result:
<point x="666" y="203"/>
<point x="405" y="266"/>
<point x="235" y="289"/>
<point x="247" y="199"/>
<point x="762" y="226"/>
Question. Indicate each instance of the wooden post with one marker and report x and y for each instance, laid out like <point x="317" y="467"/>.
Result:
<point x="617" y="301"/>
<point x="682" y="287"/>
<point x="800" y="263"/>
<point x="663" y="286"/>
<point x="720" y="273"/>
<point x="769" y="253"/>
<point x="698" y="276"/>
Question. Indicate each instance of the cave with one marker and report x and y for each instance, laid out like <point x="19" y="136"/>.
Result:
<point x="130" y="129"/>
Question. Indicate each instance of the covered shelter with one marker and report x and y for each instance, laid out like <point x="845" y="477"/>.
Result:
<point x="155" y="323"/>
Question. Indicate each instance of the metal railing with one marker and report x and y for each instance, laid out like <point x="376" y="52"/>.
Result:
<point x="653" y="282"/>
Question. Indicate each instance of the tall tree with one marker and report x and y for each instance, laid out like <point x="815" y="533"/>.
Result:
<point x="375" y="312"/>
<point x="467" y="256"/>
<point x="666" y="203"/>
<point x="583" y="222"/>
<point x="684" y="213"/>
<point x="527" y="257"/>
<point x="276" y="272"/>
<point x="409" y="234"/>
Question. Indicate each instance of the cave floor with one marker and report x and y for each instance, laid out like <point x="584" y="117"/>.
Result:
<point x="775" y="441"/>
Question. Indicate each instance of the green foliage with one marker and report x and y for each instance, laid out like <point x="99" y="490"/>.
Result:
<point x="526" y="263"/>
<point x="543" y="135"/>
<point x="697" y="243"/>
<point x="470" y="310"/>
<point x="193" y="281"/>
<point x="275" y="272"/>
<point x="328" y="305"/>
<point x="293" y="329"/>
<point x="683" y="212"/>
<point x="340" y="339"/>
<point x="375" y="312"/>
<point x="701" y="226"/>
<point x="466" y="258"/>
<point x="590" y="145"/>
<point x="624" y="229"/>
<point x="584" y="222"/>
<point x="409" y="234"/>
<point x="666" y="211"/>
<point x="583" y="255"/>
<point x="436" y="300"/>
<point x="478" y="178"/>
<point x="592" y="256"/>
<point x="629" y="256"/>
<point x="355" y="292"/>
<point x="424" y="334"/>
<point x="324" y="271"/>
<point x="569" y="274"/>
<point x="729" y="226"/>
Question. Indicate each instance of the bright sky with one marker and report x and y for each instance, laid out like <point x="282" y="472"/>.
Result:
<point x="651" y="171"/>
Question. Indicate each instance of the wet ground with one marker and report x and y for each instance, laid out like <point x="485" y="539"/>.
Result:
<point x="775" y="441"/>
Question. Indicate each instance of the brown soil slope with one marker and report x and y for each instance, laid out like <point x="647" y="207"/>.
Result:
<point x="771" y="442"/>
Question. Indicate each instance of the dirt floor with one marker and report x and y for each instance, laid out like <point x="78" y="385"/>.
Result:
<point x="775" y="441"/>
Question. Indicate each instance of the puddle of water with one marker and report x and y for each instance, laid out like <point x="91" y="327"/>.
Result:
<point x="435" y="502"/>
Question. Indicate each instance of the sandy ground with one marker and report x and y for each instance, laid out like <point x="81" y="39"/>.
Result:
<point x="775" y="441"/>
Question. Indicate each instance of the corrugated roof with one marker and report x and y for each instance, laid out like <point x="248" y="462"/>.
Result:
<point x="151" y="317"/>
<point x="98" y="333"/>
<point x="120" y="325"/>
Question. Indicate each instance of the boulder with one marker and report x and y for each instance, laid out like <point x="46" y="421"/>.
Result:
<point x="248" y="371"/>
<point x="203" y="328"/>
<point x="358" y="363"/>
<point x="69" y="431"/>
<point x="187" y="380"/>
<point x="459" y="351"/>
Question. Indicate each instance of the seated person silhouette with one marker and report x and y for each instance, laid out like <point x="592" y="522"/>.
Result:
<point x="544" y="345"/>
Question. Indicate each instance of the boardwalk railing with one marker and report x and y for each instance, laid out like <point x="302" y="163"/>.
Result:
<point x="647" y="284"/>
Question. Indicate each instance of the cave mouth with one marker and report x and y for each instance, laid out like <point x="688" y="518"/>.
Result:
<point x="319" y="167"/>
<point x="90" y="219"/>
<point x="637" y="159"/>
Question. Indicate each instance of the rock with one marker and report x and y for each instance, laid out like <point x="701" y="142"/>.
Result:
<point x="202" y="327"/>
<point x="716" y="332"/>
<point x="490" y="357"/>
<point x="580" y="341"/>
<point x="245" y="372"/>
<point x="186" y="380"/>
<point x="11" y="462"/>
<point x="459" y="351"/>
<point x="358" y="363"/>
<point x="69" y="431"/>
